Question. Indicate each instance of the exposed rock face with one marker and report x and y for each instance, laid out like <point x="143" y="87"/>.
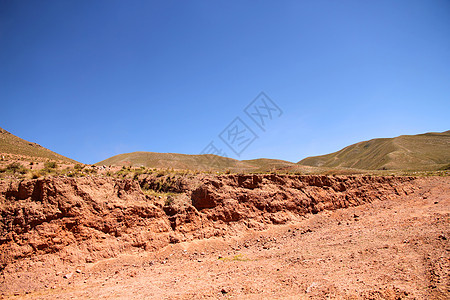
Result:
<point x="69" y="215"/>
<point x="250" y="196"/>
<point x="88" y="218"/>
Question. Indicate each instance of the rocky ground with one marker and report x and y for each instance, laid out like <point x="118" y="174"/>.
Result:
<point x="229" y="236"/>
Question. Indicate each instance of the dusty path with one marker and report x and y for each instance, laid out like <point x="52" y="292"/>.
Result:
<point x="387" y="249"/>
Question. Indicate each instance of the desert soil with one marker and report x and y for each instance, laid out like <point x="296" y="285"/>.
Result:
<point x="393" y="248"/>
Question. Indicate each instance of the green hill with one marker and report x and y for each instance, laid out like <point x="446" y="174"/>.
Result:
<point x="428" y="151"/>
<point x="11" y="144"/>
<point x="194" y="162"/>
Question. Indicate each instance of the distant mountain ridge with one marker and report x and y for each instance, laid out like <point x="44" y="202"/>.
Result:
<point x="11" y="144"/>
<point x="428" y="151"/>
<point x="202" y="162"/>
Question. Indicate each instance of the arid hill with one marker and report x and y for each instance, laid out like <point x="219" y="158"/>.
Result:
<point x="11" y="144"/>
<point x="428" y="151"/>
<point x="202" y="162"/>
<point x="423" y="152"/>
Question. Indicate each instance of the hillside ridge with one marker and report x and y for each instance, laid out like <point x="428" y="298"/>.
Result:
<point x="12" y="144"/>
<point x="201" y="162"/>
<point x="426" y="151"/>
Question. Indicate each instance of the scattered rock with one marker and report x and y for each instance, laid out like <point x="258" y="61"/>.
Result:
<point x="313" y="285"/>
<point x="442" y="237"/>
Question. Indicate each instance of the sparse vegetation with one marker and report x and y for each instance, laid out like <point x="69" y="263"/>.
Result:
<point x="169" y="200"/>
<point x="51" y="165"/>
<point x="237" y="257"/>
<point x="15" y="168"/>
<point x="166" y="184"/>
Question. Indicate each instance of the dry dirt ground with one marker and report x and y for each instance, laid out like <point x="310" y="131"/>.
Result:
<point x="387" y="249"/>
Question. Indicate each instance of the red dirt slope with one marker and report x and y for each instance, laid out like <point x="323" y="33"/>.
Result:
<point x="346" y="237"/>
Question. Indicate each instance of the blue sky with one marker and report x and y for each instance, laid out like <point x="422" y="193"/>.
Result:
<point x="92" y="79"/>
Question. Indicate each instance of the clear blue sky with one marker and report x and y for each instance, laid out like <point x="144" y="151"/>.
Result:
<point x="92" y="79"/>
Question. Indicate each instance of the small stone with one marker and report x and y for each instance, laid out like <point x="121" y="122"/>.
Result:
<point x="224" y="291"/>
<point x="313" y="285"/>
<point x="68" y="276"/>
<point x="78" y="270"/>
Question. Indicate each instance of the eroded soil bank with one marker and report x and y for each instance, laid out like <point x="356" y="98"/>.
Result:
<point x="238" y="222"/>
